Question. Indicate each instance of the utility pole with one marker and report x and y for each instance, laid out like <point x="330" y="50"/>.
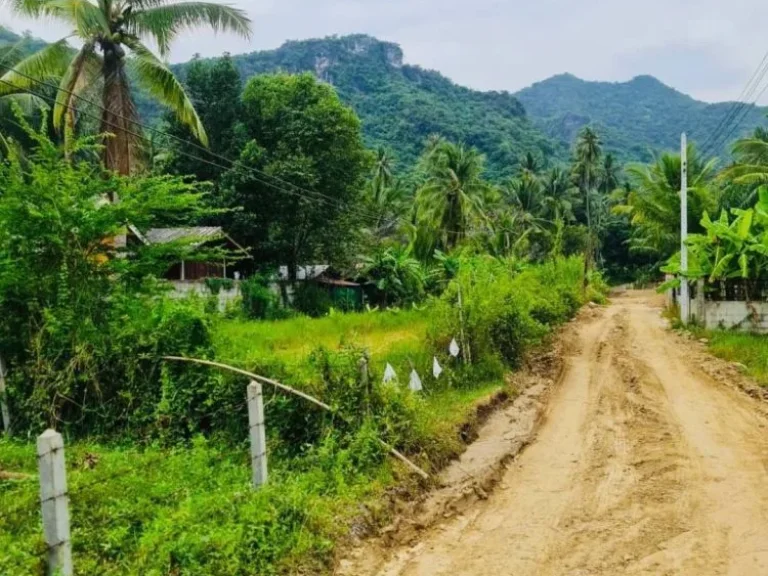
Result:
<point x="685" y="296"/>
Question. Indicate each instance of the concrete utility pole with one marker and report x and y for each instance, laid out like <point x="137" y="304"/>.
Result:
<point x="685" y="296"/>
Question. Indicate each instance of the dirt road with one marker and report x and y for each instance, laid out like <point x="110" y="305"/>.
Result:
<point x="644" y="465"/>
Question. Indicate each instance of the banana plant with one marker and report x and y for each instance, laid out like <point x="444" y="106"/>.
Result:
<point x="731" y="247"/>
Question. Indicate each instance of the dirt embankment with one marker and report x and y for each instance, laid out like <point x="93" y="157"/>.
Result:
<point x="649" y="460"/>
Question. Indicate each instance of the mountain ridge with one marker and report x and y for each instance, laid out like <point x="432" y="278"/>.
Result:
<point x="401" y="104"/>
<point x="634" y="117"/>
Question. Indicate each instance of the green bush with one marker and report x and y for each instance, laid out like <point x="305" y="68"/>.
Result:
<point x="216" y="285"/>
<point x="258" y="301"/>
<point x="312" y="299"/>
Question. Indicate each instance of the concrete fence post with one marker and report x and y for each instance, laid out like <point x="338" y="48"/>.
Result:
<point x="54" y="501"/>
<point x="6" y="414"/>
<point x="365" y="382"/>
<point x="257" y="432"/>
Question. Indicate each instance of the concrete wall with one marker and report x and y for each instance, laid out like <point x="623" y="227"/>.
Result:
<point x="744" y="316"/>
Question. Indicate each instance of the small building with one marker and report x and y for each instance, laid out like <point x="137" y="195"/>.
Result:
<point x="343" y="292"/>
<point x="190" y="276"/>
<point x="197" y="237"/>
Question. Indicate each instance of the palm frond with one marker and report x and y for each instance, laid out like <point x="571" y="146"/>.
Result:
<point x="164" y="22"/>
<point x="81" y="72"/>
<point x="86" y="18"/>
<point x="26" y="7"/>
<point x="49" y="63"/>
<point x="159" y="81"/>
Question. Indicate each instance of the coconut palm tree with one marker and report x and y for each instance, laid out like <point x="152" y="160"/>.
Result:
<point x="608" y="177"/>
<point x="10" y="104"/>
<point x="587" y="166"/>
<point x="653" y="203"/>
<point x="452" y="198"/>
<point x="558" y="196"/>
<point x="113" y="35"/>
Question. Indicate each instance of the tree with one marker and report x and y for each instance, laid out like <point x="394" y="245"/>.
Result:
<point x="74" y="321"/>
<point x="609" y="175"/>
<point x="452" y="198"/>
<point x="297" y="186"/>
<point x="113" y="36"/>
<point x="586" y="170"/>
<point x="214" y="86"/>
<point x="653" y="203"/>
<point x="558" y="196"/>
<point x="13" y="104"/>
<point x="398" y="277"/>
<point x="385" y="197"/>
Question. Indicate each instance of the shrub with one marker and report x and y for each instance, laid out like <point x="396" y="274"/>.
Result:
<point x="258" y="301"/>
<point x="312" y="299"/>
<point x="216" y="285"/>
<point x="83" y="329"/>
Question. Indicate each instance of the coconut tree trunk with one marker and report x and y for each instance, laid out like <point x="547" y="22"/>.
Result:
<point x="119" y="118"/>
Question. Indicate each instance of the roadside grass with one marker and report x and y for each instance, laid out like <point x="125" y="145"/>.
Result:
<point x="748" y="349"/>
<point x="146" y="512"/>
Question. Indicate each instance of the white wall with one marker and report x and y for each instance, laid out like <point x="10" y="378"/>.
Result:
<point x="183" y="289"/>
<point x="744" y="316"/>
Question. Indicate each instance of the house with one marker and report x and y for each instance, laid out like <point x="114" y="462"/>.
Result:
<point x="190" y="276"/>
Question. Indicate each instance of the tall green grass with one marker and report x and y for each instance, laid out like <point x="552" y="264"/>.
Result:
<point x="748" y="349"/>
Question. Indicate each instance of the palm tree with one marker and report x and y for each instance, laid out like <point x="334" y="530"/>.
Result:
<point x="609" y="175"/>
<point x="382" y="177"/>
<point x="397" y="275"/>
<point x="26" y="104"/>
<point x="529" y="163"/>
<point x="587" y="172"/>
<point x="587" y="166"/>
<point x="452" y="198"/>
<point x="557" y="193"/>
<point x="653" y="202"/>
<point x="113" y="33"/>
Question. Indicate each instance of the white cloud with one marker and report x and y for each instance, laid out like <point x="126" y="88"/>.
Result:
<point x="696" y="46"/>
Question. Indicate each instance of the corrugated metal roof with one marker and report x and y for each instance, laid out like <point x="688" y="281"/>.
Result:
<point x="199" y="234"/>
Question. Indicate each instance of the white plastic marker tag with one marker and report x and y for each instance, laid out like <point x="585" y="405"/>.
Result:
<point x="454" y="348"/>
<point x="415" y="383"/>
<point x="389" y="373"/>
<point x="436" y="368"/>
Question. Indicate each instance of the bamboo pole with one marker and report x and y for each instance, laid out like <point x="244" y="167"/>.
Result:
<point x="290" y="390"/>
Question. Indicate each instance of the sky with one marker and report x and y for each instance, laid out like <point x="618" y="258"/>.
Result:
<point x="706" y="48"/>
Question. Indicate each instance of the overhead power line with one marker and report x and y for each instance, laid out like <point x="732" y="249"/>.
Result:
<point x="741" y="106"/>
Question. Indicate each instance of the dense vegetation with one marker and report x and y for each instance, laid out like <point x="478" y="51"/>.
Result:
<point x="636" y="118"/>
<point x="401" y="105"/>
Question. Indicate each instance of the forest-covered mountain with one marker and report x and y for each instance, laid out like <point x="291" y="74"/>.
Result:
<point x="632" y="117"/>
<point x="401" y="105"/>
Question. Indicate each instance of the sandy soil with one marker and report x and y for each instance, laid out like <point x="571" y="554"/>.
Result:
<point x="644" y="464"/>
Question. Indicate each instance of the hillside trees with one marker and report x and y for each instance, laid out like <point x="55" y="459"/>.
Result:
<point x="297" y="185"/>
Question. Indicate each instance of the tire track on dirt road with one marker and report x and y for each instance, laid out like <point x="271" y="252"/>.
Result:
<point x="644" y="465"/>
